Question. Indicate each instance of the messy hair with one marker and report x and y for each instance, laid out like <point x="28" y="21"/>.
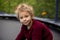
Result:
<point x="24" y="7"/>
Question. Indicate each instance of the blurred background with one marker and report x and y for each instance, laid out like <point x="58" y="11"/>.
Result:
<point x="42" y="8"/>
<point x="45" y="10"/>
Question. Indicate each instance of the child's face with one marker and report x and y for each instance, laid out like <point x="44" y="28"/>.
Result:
<point x="25" y="18"/>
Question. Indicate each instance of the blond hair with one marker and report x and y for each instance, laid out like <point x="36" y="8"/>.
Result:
<point x="24" y="7"/>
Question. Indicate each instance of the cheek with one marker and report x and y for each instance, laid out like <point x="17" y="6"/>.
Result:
<point x="29" y="18"/>
<point x="21" y="20"/>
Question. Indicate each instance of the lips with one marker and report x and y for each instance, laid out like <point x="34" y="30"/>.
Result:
<point x="26" y="22"/>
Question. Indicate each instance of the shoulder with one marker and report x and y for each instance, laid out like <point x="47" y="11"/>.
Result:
<point x="39" y="25"/>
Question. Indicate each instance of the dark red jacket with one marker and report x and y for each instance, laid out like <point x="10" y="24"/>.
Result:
<point x="38" y="31"/>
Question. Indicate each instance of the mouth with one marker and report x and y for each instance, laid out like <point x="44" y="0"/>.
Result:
<point x="26" y="22"/>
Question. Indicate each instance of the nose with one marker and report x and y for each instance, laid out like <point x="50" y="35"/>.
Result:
<point x="24" y="19"/>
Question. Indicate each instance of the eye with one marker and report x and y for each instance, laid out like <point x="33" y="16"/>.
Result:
<point x="26" y="16"/>
<point x="21" y="17"/>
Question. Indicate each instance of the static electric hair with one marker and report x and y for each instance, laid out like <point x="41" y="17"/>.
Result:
<point x="24" y="8"/>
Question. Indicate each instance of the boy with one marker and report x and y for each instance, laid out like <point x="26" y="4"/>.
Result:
<point x="31" y="28"/>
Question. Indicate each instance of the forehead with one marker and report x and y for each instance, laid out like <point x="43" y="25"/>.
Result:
<point x="23" y="13"/>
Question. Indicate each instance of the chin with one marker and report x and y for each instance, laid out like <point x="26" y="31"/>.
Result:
<point x="26" y="24"/>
